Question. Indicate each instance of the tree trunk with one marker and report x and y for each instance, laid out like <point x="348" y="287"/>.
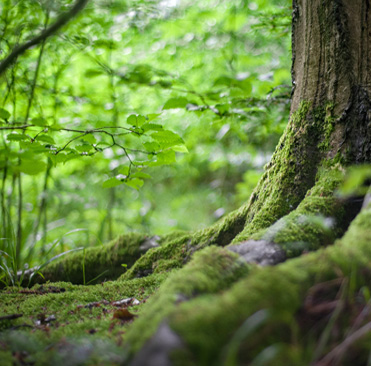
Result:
<point x="292" y="210"/>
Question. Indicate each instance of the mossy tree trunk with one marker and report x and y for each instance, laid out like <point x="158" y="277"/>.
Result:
<point x="331" y="70"/>
<point x="330" y="110"/>
<point x="293" y="209"/>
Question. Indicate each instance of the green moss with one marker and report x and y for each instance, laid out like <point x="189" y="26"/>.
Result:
<point x="211" y="271"/>
<point x="292" y="170"/>
<point x="103" y="261"/>
<point x="317" y="221"/>
<point x="174" y="252"/>
<point x="77" y="323"/>
<point x="207" y="323"/>
<point x="179" y="248"/>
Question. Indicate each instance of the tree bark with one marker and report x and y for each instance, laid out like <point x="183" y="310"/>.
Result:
<point x="332" y="64"/>
<point x="329" y="130"/>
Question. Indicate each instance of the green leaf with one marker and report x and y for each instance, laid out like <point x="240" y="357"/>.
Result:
<point x="134" y="183"/>
<point x="90" y="138"/>
<point x="180" y="148"/>
<point x="152" y="127"/>
<point x="151" y="146"/>
<point x="173" y="103"/>
<point x="4" y="114"/>
<point x="31" y="167"/>
<point x="124" y="170"/>
<point x="141" y="175"/>
<point x="56" y="127"/>
<point x="245" y="85"/>
<point x="63" y="157"/>
<point x="112" y="182"/>
<point x="59" y="158"/>
<point x="105" y="43"/>
<point x="39" y="121"/>
<point x="46" y="138"/>
<point x="141" y="74"/>
<point x="164" y="158"/>
<point x="17" y="137"/>
<point x="91" y="73"/>
<point x="142" y="163"/>
<point x="140" y="120"/>
<point x="165" y="83"/>
<point x="26" y="154"/>
<point x="103" y="144"/>
<point x="132" y="120"/>
<point x="222" y="108"/>
<point x="136" y="120"/>
<point x="152" y="116"/>
<point x="167" y="138"/>
<point x="224" y="80"/>
<point x="84" y="148"/>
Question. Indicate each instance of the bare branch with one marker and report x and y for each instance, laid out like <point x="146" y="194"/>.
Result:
<point x="59" y="23"/>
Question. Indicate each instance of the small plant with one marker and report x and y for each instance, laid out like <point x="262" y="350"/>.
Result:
<point x="14" y="259"/>
<point x="9" y="252"/>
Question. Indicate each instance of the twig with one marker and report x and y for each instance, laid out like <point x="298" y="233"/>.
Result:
<point x="10" y="317"/>
<point x="339" y="350"/>
<point x="73" y="139"/>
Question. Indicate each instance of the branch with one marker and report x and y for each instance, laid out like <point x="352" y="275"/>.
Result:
<point x="59" y="23"/>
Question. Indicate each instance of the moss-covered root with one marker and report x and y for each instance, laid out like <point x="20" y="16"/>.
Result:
<point x="318" y="220"/>
<point x="178" y="248"/>
<point x="211" y="270"/>
<point x="97" y="263"/>
<point x="290" y="314"/>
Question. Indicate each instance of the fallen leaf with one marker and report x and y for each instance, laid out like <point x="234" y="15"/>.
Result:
<point x="123" y="314"/>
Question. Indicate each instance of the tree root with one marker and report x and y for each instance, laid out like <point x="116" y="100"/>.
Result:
<point x="207" y="324"/>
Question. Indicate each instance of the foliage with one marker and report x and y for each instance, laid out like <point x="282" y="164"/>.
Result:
<point x="93" y="119"/>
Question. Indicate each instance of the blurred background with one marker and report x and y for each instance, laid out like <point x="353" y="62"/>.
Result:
<point x="215" y="72"/>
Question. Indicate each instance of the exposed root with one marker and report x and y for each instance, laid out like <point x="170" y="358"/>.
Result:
<point x="280" y="290"/>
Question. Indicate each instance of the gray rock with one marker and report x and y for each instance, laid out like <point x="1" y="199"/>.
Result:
<point x="156" y="351"/>
<point x="150" y="243"/>
<point x="366" y="201"/>
<point x="261" y="252"/>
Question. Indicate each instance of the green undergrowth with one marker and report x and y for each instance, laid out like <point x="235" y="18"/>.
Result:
<point x="290" y="314"/>
<point x="86" y="324"/>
